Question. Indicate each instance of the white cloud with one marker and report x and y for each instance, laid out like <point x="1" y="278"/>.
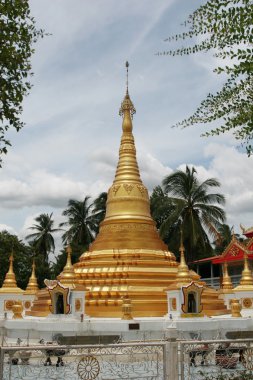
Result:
<point x="70" y="145"/>
<point x="234" y="171"/>
<point x="5" y="227"/>
<point x="152" y="170"/>
<point x="44" y="189"/>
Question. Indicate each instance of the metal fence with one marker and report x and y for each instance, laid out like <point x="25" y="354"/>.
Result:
<point x="215" y="282"/>
<point x="161" y="360"/>
<point x="216" y="360"/>
<point x="100" y="362"/>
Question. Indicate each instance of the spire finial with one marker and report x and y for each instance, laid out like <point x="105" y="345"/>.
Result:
<point x="226" y="281"/>
<point x="32" y="286"/>
<point x="233" y="233"/>
<point x="183" y="274"/>
<point x="127" y="65"/>
<point x="69" y="253"/>
<point x="127" y="109"/>
<point x="181" y="248"/>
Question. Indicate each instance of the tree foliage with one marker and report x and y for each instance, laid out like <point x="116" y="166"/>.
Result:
<point x="18" y="34"/>
<point x="81" y="222"/>
<point x="42" y="239"/>
<point x="161" y="206"/>
<point x="22" y="258"/>
<point x="195" y="210"/>
<point x="227" y="27"/>
<point x="99" y="209"/>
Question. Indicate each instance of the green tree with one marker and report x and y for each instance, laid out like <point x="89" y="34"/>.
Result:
<point x="42" y="240"/>
<point x="22" y="258"/>
<point x="160" y="206"/>
<point x="61" y="259"/>
<point x="17" y="37"/>
<point x="81" y="222"/>
<point x="99" y="209"/>
<point x="224" y="237"/>
<point x="226" y="27"/>
<point x="196" y="211"/>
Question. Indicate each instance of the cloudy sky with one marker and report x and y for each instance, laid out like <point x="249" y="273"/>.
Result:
<point x="69" y="146"/>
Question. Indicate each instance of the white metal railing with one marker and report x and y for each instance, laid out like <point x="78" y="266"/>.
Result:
<point x="216" y="359"/>
<point x="87" y="362"/>
<point x="215" y="282"/>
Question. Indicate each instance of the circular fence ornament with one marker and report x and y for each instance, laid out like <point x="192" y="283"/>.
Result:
<point x="248" y="358"/>
<point x="88" y="368"/>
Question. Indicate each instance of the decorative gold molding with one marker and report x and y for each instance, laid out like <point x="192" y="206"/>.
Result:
<point x="128" y="227"/>
<point x="128" y="187"/>
<point x="115" y="189"/>
<point x="247" y="303"/>
<point x="8" y="304"/>
<point x="27" y="304"/>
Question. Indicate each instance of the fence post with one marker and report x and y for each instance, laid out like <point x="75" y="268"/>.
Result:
<point x="171" y="360"/>
<point x="1" y="363"/>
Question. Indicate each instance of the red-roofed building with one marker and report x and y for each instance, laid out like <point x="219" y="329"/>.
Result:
<point x="210" y="268"/>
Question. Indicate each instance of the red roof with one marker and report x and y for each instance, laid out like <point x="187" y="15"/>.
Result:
<point x="235" y="251"/>
<point x="206" y="259"/>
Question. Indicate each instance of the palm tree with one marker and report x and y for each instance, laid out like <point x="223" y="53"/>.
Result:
<point x="99" y="208"/>
<point x="42" y="240"/>
<point x="81" y="222"/>
<point x="196" y="211"/>
<point x="160" y="206"/>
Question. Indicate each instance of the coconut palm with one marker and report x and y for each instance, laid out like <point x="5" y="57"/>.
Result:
<point x="99" y="208"/>
<point x="42" y="240"/>
<point x="160" y="206"/>
<point x="81" y="222"/>
<point x="196" y="210"/>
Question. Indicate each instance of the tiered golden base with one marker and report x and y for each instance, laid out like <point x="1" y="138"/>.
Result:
<point x="40" y="306"/>
<point x="142" y="275"/>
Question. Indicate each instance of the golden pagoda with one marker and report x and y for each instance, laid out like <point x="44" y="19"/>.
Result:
<point x="32" y="286"/>
<point x="10" y="284"/>
<point x="128" y="259"/>
<point x="67" y="276"/>
<point x="246" y="283"/>
<point x="227" y="286"/>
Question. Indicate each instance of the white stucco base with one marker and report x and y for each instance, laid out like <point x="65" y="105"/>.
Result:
<point x="34" y="329"/>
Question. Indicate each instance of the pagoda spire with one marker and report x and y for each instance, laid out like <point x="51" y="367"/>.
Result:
<point x="128" y="223"/>
<point x="32" y="286"/>
<point x="227" y="285"/>
<point x="183" y="274"/>
<point x="10" y="284"/>
<point x="67" y="276"/>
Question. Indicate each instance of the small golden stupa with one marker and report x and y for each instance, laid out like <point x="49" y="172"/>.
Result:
<point x="10" y="284"/>
<point x="227" y="286"/>
<point x="32" y="286"/>
<point x="67" y="276"/>
<point x="184" y="275"/>
<point x="128" y="258"/>
<point x="246" y="283"/>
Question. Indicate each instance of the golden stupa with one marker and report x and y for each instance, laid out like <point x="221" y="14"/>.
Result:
<point x="246" y="282"/>
<point x="128" y="257"/>
<point x="10" y="283"/>
<point x="32" y="286"/>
